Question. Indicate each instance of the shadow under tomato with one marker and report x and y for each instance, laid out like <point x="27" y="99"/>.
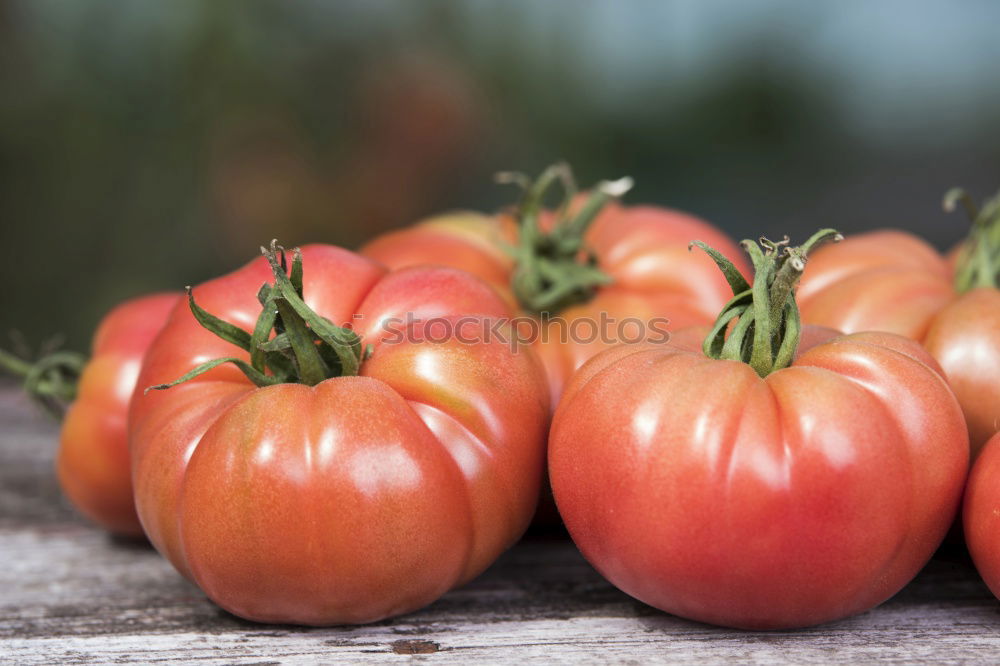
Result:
<point x="125" y="542"/>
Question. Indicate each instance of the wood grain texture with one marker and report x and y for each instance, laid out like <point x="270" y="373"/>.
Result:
<point x="69" y="593"/>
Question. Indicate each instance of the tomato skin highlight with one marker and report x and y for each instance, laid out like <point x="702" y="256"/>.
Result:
<point x="872" y="250"/>
<point x="92" y="462"/>
<point x="644" y="249"/>
<point x="965" y="338"/>
<point x="904" y="301"/>
<point x="893" y="281"/>
<point x="361" y="497"/>
<point x="465" y="240"/>
<point x="810" y="495"/>
<point x="297" y="492"/>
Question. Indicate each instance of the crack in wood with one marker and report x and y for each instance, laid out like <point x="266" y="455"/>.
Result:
<point x="414" y="646"/>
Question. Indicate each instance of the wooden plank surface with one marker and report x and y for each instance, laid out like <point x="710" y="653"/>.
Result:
<point x="69" y="593"/>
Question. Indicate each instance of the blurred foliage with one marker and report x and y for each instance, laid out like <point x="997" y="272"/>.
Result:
<point x="149" y="145"/>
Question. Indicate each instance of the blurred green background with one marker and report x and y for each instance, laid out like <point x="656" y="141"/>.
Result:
<point x="145" y="145"/>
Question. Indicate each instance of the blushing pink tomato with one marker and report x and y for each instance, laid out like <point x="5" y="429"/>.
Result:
<point x="752" y="484"/>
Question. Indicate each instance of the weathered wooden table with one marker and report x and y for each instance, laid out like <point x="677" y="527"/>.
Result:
<point x="70" y="593"/>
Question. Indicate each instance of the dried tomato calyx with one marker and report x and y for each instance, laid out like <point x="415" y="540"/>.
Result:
<point x="979" y="258"/>
<point x="290" y="342"/>
<point x="764" y="318"/>
<point x="554" y="269"/>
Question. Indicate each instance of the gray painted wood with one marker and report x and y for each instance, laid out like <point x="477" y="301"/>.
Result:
<point x="69" y="593"/>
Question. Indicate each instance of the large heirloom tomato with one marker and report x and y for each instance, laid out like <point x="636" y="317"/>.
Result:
<point x="592" y="275"/>
<point x="322" y="475"/>
<point x="893" y="281"/>
<point x="92" y="461"/>
<point x="981" y="514"/>
<point x="747" y="486"/>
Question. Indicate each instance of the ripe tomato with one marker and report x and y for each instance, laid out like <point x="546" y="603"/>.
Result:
<point x="311" y="483"/>
<point x="981" y="514"/>
<point x="893" y="281"/>
<point x="884" y="280"/>
<point x="92" y="462"/>
<point x="572" y="273"/>
<point x="964" y="337"/>
<point x="742" y="486"/>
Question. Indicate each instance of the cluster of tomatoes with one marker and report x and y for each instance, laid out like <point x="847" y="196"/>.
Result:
<point x="793" y="454"/>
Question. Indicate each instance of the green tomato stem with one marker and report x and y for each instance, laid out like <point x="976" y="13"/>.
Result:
<point x="979" y="258"/>
<point x="290" y="342"/>
<point x="554" y="269"/>
<point x="767" y="324"/>
<point x="51" y="381"/>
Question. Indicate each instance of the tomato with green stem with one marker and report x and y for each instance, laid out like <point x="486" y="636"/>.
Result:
<point x="749" y="485"/>
<point x="92" y="397"/>
<point x="591" y="261"/>
<point x="311" y="473"/>
<point x="893" y="281"/>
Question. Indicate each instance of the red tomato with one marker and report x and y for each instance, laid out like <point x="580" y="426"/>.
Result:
<point x="880" y="281"/>
<point x="358" y="497"/>
<point x="981" y="514"/>
<point x="92" y="462"/>
<point x="799" y="493"/>
<point x="964" y="337"/>
<point x="642" y="251"/>
<point x="893" y="281"/>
